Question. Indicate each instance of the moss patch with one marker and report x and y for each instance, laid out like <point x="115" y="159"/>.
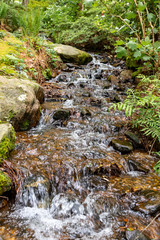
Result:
<point x="7" y="144"/>
<point x="5" y="183"/>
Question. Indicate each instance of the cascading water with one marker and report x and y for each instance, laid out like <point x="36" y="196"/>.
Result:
<point x="76" y="186"/>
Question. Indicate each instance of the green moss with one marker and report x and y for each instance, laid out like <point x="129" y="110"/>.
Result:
<point x="6" y="145"/>
<point x="84" y="58"/>
<point x="5" y="183"/>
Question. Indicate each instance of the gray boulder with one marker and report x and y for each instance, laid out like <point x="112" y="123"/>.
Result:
<point x="71" y="54"/>
<point x="20" y="102"/>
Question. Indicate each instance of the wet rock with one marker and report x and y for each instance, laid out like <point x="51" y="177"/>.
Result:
<point x="136" y="166"/>
<point x="150" y="203"/>
<point x="95" y="183"/>
<point x="135" y="138"/>
<point x="86" y="94"/>
<point x="112" y="170"/>
<point x="95" y="102"/>
<point x="107" y="85"/>
<point x="66" y="205"/>
<point x="97" y="204"/>
<point x="86" y="112"/>
<point x="35" y="191"/>
<point x="98" y="74"/>
<point x="61" y="78"/>
<point x="122" y="146"/>
<point x="72" y="55"/>
<point x="136" y="234"/>
<point x="113" y="79"/>
<point x="61" y="114"/>
<point x="82" y="84"/>
<point x="121" y="88"/>
<point x="116" y="98"/>
<point x="20" y="102"/>
<point x="126" y="75"/>
<point x="71" y="85"/>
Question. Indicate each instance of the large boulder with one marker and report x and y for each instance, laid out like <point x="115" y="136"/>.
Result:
<point x="71" y="54"/>
<point x="20" y="102"/>
<point x="7" y="140"/>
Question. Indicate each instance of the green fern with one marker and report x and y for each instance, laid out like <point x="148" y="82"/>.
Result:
<point x="143" y="106"/>
<point x="31" y="23"/>
<point x="157" y="166"/>
<point x="3" y="11"/>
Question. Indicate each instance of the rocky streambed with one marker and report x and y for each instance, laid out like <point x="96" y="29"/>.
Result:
<point x="85" y="174"/>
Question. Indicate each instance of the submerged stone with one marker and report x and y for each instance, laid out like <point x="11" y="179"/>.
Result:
<point x="86" y="112"/>
<point x="136" y="234"/>
<point x="126" y="75"/>
<point x="61" y="114"/>
<point x="95" y="183"/>
<point x="151" y="205"/>
<point x="136" y="166"/>
<point x="122" y="146"/>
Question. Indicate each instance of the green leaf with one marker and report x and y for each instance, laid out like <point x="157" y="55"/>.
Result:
<point x="156" y="44"/>
<point x="121" y="52"/>
<point x="150" y="16"/>
<point x="132" y="45"/>
<point x="141" y="6"/>
<point x="119" y="43"/>
<point x="131" y="15"/>
<point x="137" y="54"/>
<point x="146" y="58"/>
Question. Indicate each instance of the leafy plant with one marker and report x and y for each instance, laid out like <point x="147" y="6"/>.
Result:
<point x="157" y="167"/>
<point x="143" y="106"/>
<point x="31" y="23"/>
<point x="143" y="22"/>
<point x="3" y="12"/>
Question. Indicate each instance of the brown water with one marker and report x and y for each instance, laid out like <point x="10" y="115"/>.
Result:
<point x="76" y="186"/>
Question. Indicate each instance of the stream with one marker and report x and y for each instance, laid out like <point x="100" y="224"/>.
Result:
<point x="75" y="184"/>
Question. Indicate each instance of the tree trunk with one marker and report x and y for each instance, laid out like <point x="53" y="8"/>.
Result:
<point x="25" y="2"/>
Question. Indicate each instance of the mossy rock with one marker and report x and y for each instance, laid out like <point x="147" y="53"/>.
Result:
<point x="5" y="183"/>
<point x="7" y="140"/>
<point x="71" y="54"/>
<point x="20" y="102"/>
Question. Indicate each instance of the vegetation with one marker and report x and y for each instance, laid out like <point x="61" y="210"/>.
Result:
<point x="144" y="102"/>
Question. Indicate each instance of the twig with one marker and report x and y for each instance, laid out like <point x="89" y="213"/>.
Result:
<point x="3" y="197"/>
<point x="147" y="226"/>
<point x="152" y="145"/>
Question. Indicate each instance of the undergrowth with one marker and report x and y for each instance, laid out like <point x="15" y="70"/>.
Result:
<point x="143" y="107"/>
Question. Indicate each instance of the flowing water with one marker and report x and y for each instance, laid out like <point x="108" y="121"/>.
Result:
<point x="75" y="185"/>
